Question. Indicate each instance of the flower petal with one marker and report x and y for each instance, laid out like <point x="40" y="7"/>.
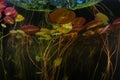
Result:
<point x="10" y="11"/>
<point x="8" y="20"/>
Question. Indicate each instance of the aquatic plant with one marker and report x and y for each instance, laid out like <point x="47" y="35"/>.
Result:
<point x="8" y="16"/>
<point x="60" y="43"/>
<point x="49" y="5"/>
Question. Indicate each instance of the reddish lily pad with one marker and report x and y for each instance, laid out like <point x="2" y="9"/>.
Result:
<point x="117" y="21"/>
<point x="30" y="29"/>
<point x="99" y="30"/>
<point x="93" y="24"/>
<point x="88" y="33"/>
<point x="77" y="28"/>
<point x="78" y="21"/>
<point x="115" y="25"/>
<point x="62" y="16"/>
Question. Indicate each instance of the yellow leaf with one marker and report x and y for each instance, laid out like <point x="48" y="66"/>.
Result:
<point x="45" y="30"/>
<point x="20" y="31"/>
<point x="3" y="25"/>
<point x="40" y="33"/>
<point x="57" y="62"/>
<point x="47" y="37"/>
<point x="103" y="17"/>
<point x="56" y="26"/>
<point x="67" y="26"/>
<point x="37" y="58"/>
<point x="13" y="31"/>
<point x="19" y="36"/>
<point x="64" y="30"/>
<point x="19" y="18"/>
<point x="53" y="31"/>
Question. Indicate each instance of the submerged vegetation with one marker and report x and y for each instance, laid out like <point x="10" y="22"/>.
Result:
<point x="59" y="45"/>
<point x="49" y="5"/>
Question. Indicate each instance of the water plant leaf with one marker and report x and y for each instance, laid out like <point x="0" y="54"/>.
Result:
<point x="21" y="31"/>
<point x="67" y="26"/>
<point x="116" y="21"/>
<point x="53" y="31"/>
<point x="57" y="61"/>
<point x="63" y="30"/>
<point x="88" y="33"/>
<point x="78" y="21"/>
<point x="45" y="37"/>
<point x="40" y="33"/>
<point x="61" y="16"/>
<point x="56" y="26"/>
<point x="19" y="36"/>
<point x="30" y="29"/>
<point x="37" y="58"/>
<point x="99" y="30"/>
<point x="102" y="17"/>
<point x="45" y="30"/>
<point x="19" y="18"/>
<point x="13" y="32"/>
<point x="71" y="35"/>
<point x="115" y="25"/>
<point x="93" y="24"/>
<point x="18" y="33"/>
<point x="3" y="25"/>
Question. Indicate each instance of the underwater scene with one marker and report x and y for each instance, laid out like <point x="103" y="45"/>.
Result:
<point x="59" y="39"/>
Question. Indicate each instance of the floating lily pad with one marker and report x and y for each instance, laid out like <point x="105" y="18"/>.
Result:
<point x="117" y="21"/>
<point x="115" y="25"/>
<point x="93" y="24"/>
<point x="102" y="17"/>
<point x="78" y="21"/>
<point x="61" y="16"/>
<point x="88" y="33"/>
<point x="30" y="29"/>
<point x="99" y="30"/>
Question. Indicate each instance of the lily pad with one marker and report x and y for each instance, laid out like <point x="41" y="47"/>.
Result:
<point x="61" y="16"/>
<point x="93" y="24"/>
<point x="117" y="21"/>
<point x="30" y="29"/>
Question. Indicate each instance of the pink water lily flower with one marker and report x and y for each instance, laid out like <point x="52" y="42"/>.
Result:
<point x="8" y="20"/>
<point x="2" y="5"/>
<point x="10" y="11"/>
